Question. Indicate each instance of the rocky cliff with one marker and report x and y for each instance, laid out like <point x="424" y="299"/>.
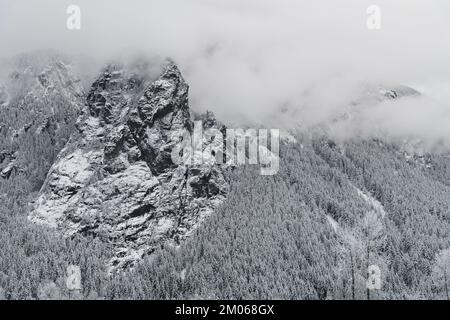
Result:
<point x="40" y="101"/>
<point x="115" y="178"/>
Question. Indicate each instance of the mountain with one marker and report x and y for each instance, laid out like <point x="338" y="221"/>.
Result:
<point x="115" y="178"/>
<point x="42" y="99"/>
<point x="87" y="179"/>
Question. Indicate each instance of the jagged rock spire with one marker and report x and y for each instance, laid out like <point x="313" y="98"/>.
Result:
<point x="115" y="178"/>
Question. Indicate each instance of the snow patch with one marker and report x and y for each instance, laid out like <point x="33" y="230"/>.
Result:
<point x="374" y="203"/>
<point x="334" y="224"/>
<point x="75" y="166"/>
<point x="183" y="274"/>
<point x="287" y="137"/>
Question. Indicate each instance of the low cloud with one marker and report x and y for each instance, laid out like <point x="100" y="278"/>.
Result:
<point x="257" y="60"/>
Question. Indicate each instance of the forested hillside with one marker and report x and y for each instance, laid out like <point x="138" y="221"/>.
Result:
<point x="309" y="232"/>
<point x="35" y="125"/>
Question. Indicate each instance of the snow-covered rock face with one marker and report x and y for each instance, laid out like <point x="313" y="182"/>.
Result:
<point x="36" y="83"/>
<point x="38" y="94"/>
<point x="115" y="178"/>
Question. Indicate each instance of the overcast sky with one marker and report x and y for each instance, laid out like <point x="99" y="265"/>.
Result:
<point x="246" y="59"/>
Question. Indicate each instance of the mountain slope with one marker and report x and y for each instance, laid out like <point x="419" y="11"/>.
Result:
<point x="309" y="232"/>
<point x="44" y="99"/>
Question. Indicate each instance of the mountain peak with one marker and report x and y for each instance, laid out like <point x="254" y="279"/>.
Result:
<point x="115" y="179"/>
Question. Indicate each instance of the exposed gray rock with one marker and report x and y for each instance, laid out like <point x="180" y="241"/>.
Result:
<point x="399" y="92"/>
<point x="7" y="163"/>
<point x="40" y="96"/>
<point x="5" y="155"/>
<point x="115" y="178"/>
<point x="8" y="170"/>
<point x="39" y="82"/>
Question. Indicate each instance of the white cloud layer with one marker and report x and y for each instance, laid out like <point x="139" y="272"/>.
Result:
<point x="248" y="59"/>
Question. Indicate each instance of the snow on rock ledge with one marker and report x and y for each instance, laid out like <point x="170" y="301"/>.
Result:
<point x="115" y="178"/>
